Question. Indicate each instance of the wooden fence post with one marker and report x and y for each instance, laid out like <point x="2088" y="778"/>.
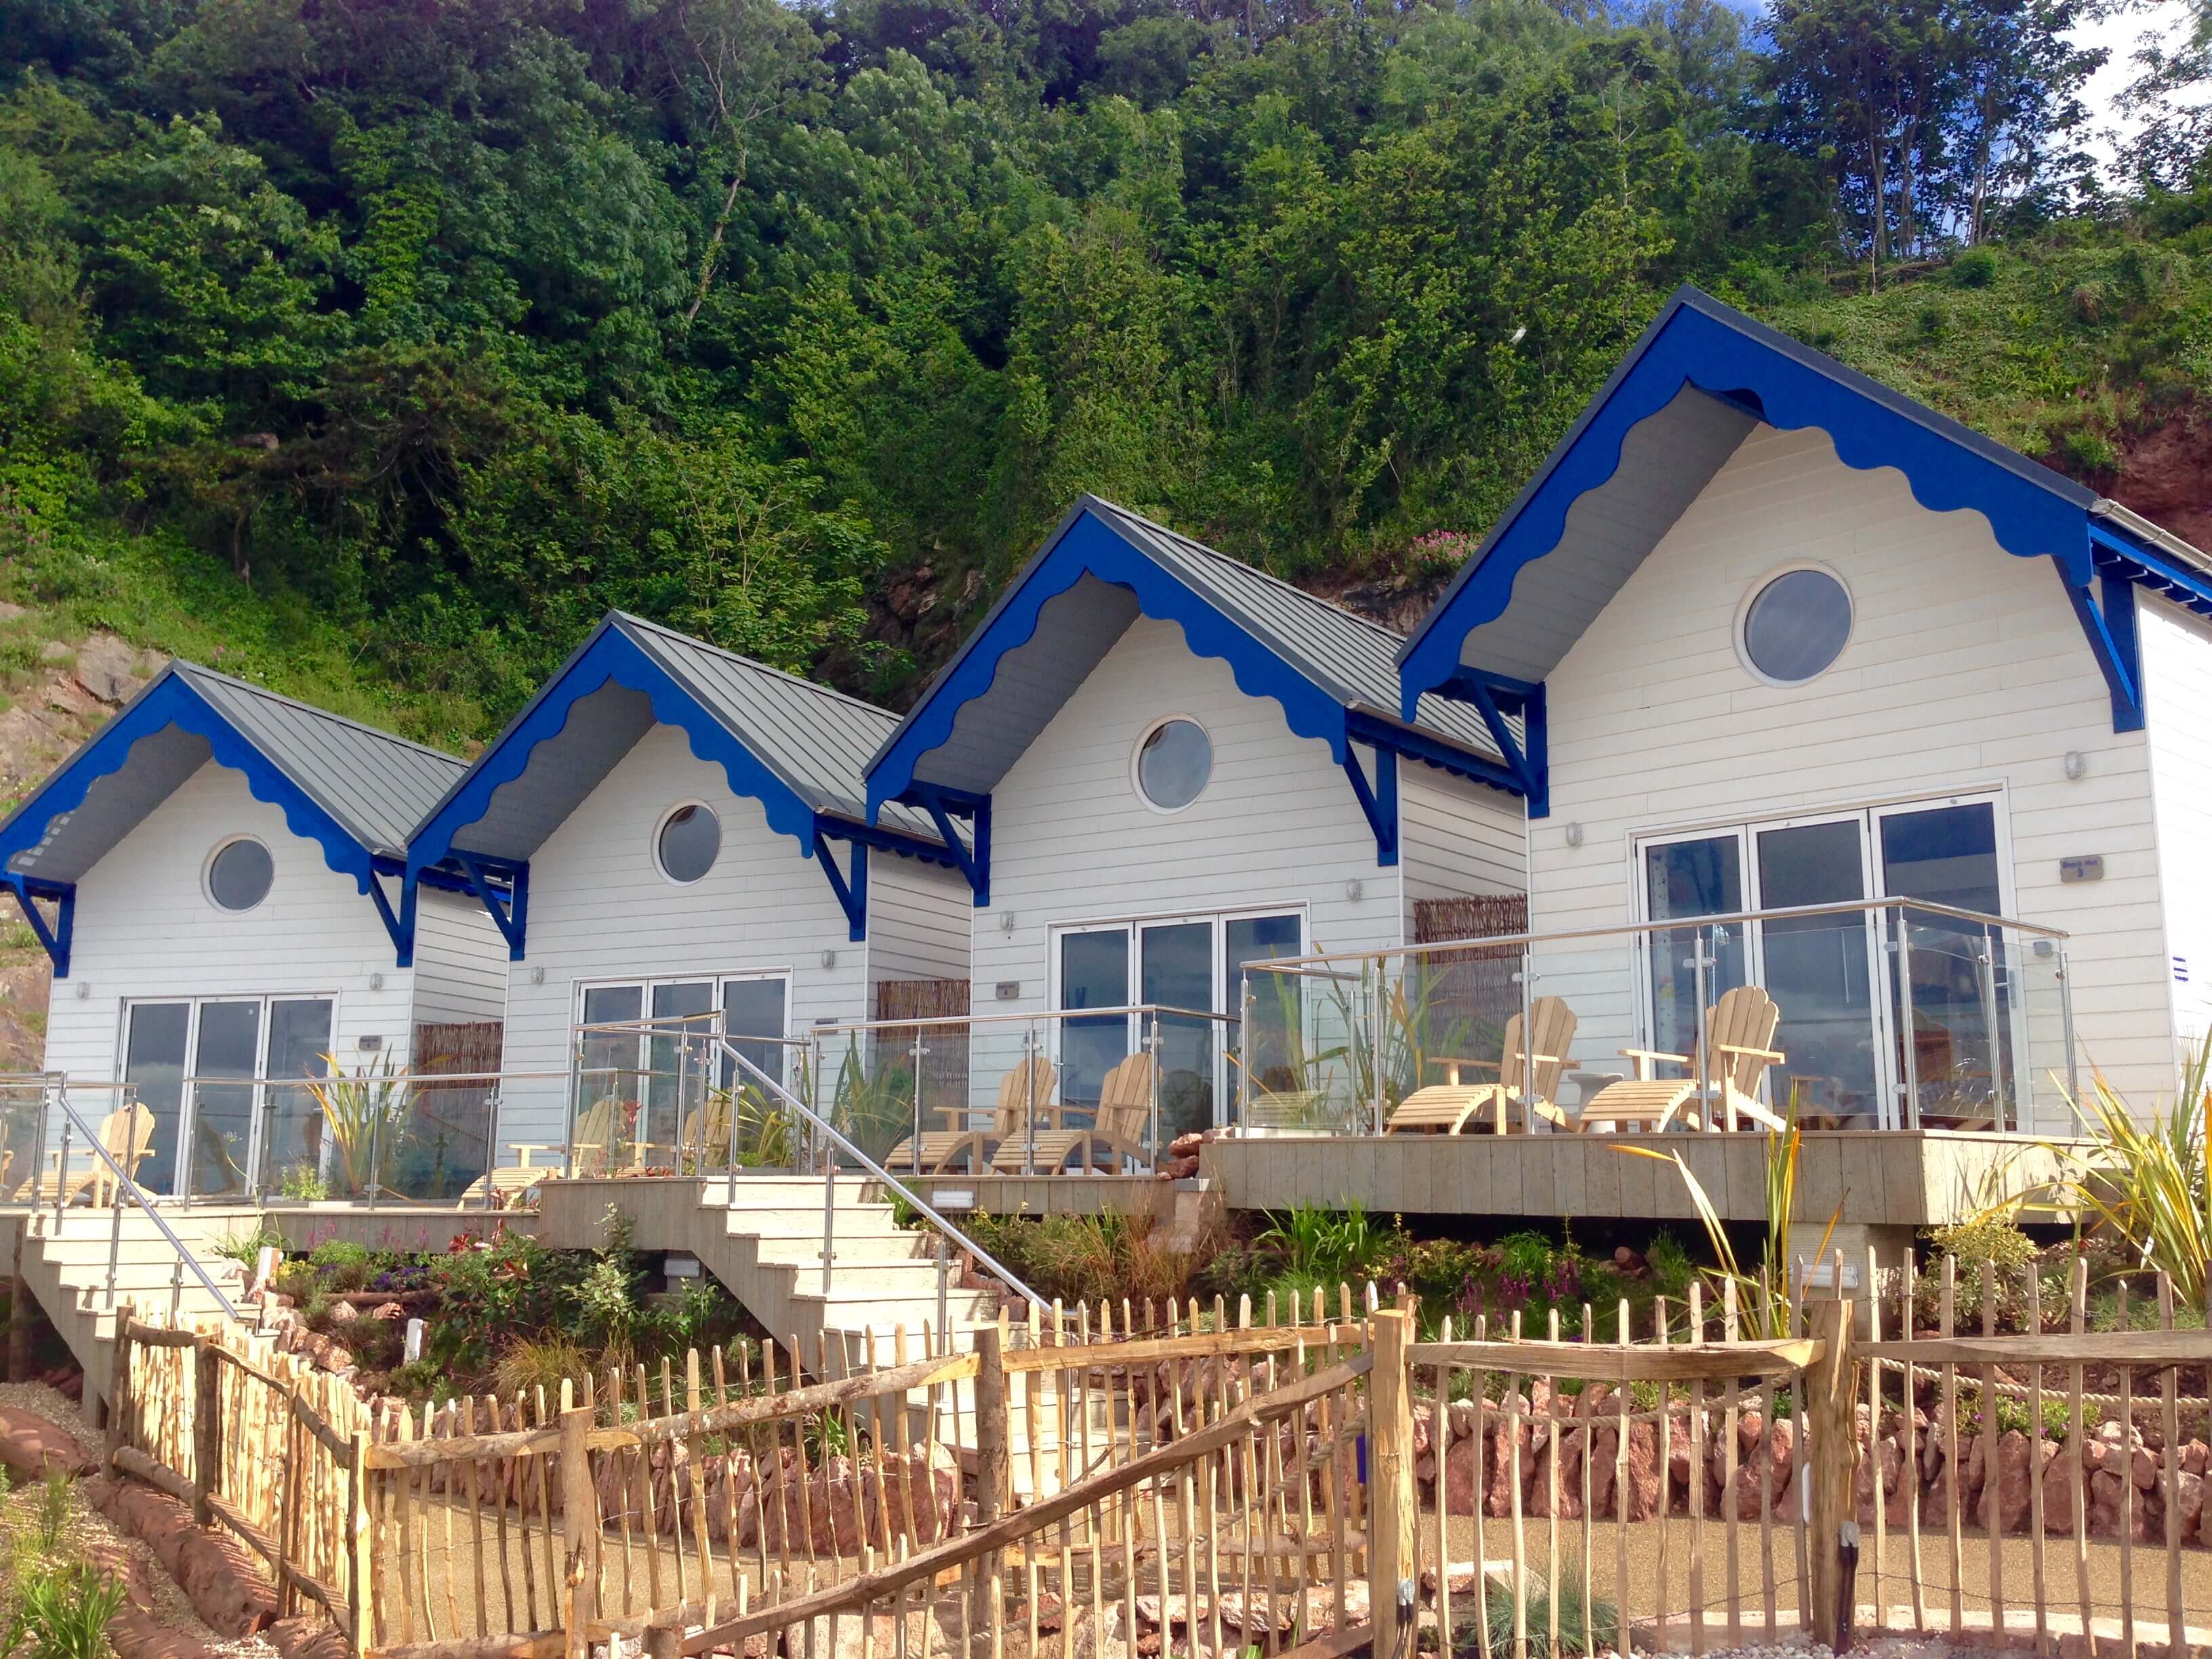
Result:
<point x="1832" y="1465"/>
<point x="362" y="1605"/>
<point x="994" y="1472"/>
<point x="1394" y="1503"/>
<point x="579" y="1527"/>
<point x="118" y="1386"/>
<point x="207" y="1429"/>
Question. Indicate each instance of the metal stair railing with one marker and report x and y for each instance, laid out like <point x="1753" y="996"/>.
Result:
<point x="57" y="1094"/>
<point x="949" y="1234"/>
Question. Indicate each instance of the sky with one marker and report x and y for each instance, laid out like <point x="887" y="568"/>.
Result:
<point x="2118" y="36"/>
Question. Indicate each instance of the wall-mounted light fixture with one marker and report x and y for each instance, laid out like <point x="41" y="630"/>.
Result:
<point x="537" y="976"/>
<point x="376" y="982"/>
<point x="829" y="958"/>
<point x="2077" y="764"/>
<point x="1006" y="921"/>
<point x="1574" y="834"/>
<point x="1354" y="891"/>
<point x="83" y="990"/>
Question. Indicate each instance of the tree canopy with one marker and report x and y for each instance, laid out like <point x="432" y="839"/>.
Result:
<point x="456" y="321"/>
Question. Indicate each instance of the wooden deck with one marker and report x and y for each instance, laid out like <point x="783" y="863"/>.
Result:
<point x="1879" y="1178"/>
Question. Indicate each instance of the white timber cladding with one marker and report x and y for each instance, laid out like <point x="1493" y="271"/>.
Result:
<point x="1965" y="671"/>
<point x="1457" y="839"/>
<point x="1276" y="826"/>
<point x="917" y="920"/>
<point x="2176" y="668"/>
<point x="146" y="931"/>
<point x="601" y="910"/>
<point x="461" y="960"/>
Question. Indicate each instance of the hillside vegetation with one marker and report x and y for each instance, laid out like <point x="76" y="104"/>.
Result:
<point x="373" y="351"/>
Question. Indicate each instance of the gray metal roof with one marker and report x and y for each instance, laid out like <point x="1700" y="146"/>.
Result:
<point x="1353" y="659"/>
<point x="377" y="786"/>
<point x="817" y="740"/>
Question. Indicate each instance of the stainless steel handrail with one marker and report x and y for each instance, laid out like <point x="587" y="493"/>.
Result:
<point x="1677" y="924"/>
<point x="123" y="1183"/>
<point x="1034" y="1017"/>
<point x="952" y="1233"/>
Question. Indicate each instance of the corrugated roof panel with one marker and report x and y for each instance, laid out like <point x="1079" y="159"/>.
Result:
<point x="1354" y="659"/>
<point x="376" y="786"/>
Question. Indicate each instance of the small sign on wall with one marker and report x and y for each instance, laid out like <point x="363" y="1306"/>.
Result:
<point x="1009" y="990"/>
<point x="2086" y="866"/>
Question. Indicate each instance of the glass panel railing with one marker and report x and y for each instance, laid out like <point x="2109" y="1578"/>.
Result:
<point x="1848" y="1016"/>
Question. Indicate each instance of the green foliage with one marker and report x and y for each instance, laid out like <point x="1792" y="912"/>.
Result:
<point x="374" y="353"/>
<point x="62" y="1614"/>
<point x="303" y="1183"/>
<point x="55" y="1499"/>
<point x="1991" y="1239"/>
<point x="1087" y="1258"/>
<point x="1323" y="1245"/>
<point x="343" y="1265"/>
<point x="528" y="1363"/>
<point x="1582" y="1629"/>
<point x="245" y="1248"/>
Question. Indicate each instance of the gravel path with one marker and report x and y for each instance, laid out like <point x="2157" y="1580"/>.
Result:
<point x="87" y="1526"/>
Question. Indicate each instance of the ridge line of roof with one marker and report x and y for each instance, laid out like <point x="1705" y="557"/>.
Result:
<point x="1266" y="575"/>
<point x="754" y="662"/>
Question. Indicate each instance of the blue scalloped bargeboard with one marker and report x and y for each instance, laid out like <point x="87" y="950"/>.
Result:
<point x="1692" y="349"/>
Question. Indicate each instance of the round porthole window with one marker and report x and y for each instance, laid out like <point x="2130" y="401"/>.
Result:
<point x="1174" y="761"/>
<point x="1796" y="626"/>
<point x="239" y="874"/>
<point x="689" y="841"/>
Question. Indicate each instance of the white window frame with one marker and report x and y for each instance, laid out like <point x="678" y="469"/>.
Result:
<point x="188" y="1106"/>
<point x="1870" y="817"/>
<point x="1217" y="971"/>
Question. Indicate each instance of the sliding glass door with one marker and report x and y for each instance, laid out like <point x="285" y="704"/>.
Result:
<point x="647" y="1060"/>
<point x="218" y="1077"/>
<point x="1189" y="962"/>
<point x="1848" y="986"/>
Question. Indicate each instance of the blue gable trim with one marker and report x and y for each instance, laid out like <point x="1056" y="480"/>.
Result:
<point x="171" y="701"/>
<point x="1089" y="546"/>
<point x="1696" y="342"/>
<point x="2032" y="511"/>
<point x="612" y="656"/>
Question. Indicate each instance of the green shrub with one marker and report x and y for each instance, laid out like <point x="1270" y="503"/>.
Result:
<point x="342" y="1266"/>
<point x="1670" y="1266"/>
<point x="1974" y="267"/>
<point x="2091" y="450"/>
<point x="1581" y="1628"/>
<point x="245" y="1248"/>
<point x="63" y="1614"/>
<point x="1995" y="1239"/>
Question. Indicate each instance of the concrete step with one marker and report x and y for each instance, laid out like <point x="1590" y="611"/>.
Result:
<point x="843" y="1251"/>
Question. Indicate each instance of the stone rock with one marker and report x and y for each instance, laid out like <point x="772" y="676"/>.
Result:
<point x="2188" y="1505"/>
<point x="1461" y="1476"/>
<point x="1178" y="1169"/>
<point x="1511" y="1427"/>
<point x="31" y="1445"/>
<point x="1464" y="1417"/>
<point x="107" y="669"/>
<point x="343" y="1313"/>
<point x="1641" y="1496"/>
<point x="2194" y="1456"/>
<point x="2010" y="1493"/>
<point x="1186" y="1145"/>
<point x="1604" y="1464"/>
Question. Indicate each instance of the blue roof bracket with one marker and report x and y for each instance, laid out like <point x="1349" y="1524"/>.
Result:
<point x="55" y="939"/>
<point x="2108" y="619"/>
<point x="944" y="804"/>
<point x="511" y="918"/>
<point x="852" y="891"/>
<point x="401" y="927"/>
<point x="1379" y="801"/>
<point x="1498" y="697"/>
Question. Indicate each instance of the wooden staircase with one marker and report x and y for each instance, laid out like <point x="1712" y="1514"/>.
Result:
<point x="66" y="1271"/>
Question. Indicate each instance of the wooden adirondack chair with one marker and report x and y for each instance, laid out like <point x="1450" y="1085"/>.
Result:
<point x="128" y="1135"/>
<point x="1117" y="1131"/>
<point x="1027" y="1084"/>
<point x="591" y="1141"/>
<point x="1738" y="1029"/>
<point x="1527" y="1077"/>
<point x="509" y="1179"/>
<point x="707" y="1133"/>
